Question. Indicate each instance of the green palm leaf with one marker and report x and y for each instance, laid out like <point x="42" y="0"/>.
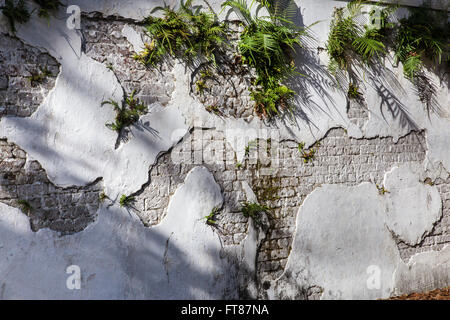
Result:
<point x="368" y="47"/>
<point x="241" y="8"/>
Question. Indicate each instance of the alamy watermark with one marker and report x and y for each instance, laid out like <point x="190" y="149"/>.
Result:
<point x="73" y="22"/>
<point x="374" y="280"/>
<point x="73" y="282"/>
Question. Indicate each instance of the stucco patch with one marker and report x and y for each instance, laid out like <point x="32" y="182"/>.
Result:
<point x="424" y="271"/>
<point x="178" y="259"/>
<point x="412" y="207"/>
<point x="340" y="234"/>
<point x="67" y="135"/>
<point x="343" y="234"/>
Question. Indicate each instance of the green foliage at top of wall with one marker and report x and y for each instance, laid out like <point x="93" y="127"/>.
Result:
<point x="268" y="44"/>
<point x="424" y="34"/>
<point x="45" y="6"/>
<point x="16" y="11"/>
<point x="349" y="40"/>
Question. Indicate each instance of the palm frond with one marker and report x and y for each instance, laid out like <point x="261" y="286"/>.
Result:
<point x="412" y="65"/>
<point x="241" y="8"/>
<point x="368" y="47"/>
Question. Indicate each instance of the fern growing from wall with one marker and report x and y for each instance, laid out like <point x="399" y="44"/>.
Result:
<point x="268" y="44"/>
<point x="186" y="32"/>
<point x="348" y="40"/>
<point x="424" y="34"/>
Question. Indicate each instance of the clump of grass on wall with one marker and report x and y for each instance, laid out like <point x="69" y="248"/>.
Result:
<point x="211" y="217"/>
<point x="25" y="206"/>
<point x="253" y="210"/>
<point x="185" y="33"/>
<point x="127" y="114"/>
<point x="126" y="201"/>
<point x="39" y="77"/>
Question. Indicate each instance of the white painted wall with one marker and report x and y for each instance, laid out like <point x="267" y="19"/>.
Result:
<point x="340" y="230"/>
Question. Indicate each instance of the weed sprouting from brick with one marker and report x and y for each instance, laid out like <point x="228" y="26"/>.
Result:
<point x="126" y="201"/>
<point x="127" y="114"/>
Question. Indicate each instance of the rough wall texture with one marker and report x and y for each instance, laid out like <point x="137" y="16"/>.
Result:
<point x="338" y="160"/>
<point x="106" y="43"/>
<point x="25" y="185"/>
<point x="19" y="96"/>
<point x="276" y="171"/>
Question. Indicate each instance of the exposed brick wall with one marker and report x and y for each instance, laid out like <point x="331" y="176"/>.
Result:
<point x="66" y="210"/>
<point x="105" y="43"/>
<point x="18" y="96"/>
<point x="338" y="160"/>
<point x="225" y="89"/>
<point x="283" y="188"/>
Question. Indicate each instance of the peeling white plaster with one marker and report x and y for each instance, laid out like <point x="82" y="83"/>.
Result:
<point x="420" y="205"/>
<point x="341" y="230"/>
<point x="84" y="83"/>
<point x="340" y="233"/>
<point x="67" y="134"/>
<point x="134" y="38"/>
<point x="119" y="258"/>
<point x="424" y="271"/>
<point x="392" y="101"/>
<point x="343" y="234"/>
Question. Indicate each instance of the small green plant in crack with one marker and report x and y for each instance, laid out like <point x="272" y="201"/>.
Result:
<point x="382" y="190"/>
<point x="238" y="165"/>
<point x="214" y="109"/>
<point x="15" y="12"/>
<point x="210" y="219"/>
<point x="25" y="206"/>
<point x="247" y="151"/>
<point x="200" y="86"/>
<point x="353" y="91"/>
<point x="127" y="114"/>
<point x="253" y="145"/>
<point x="39" y="77"/>
<point x="102" y="197"/>
<point x="126" y="201"/>
<point x="110" y="66"/>
<point x="309" y="155"/>
<point x="253" y="210"/>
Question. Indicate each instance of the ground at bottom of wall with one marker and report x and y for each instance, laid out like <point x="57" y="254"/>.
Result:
<point x="439" y="294"/>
